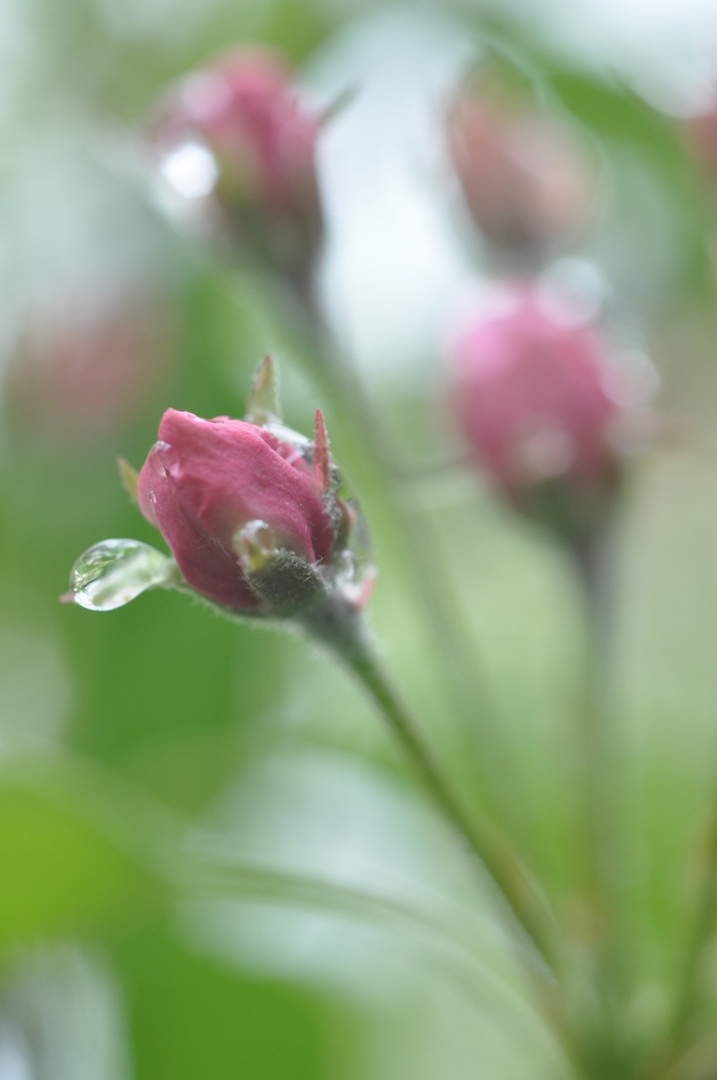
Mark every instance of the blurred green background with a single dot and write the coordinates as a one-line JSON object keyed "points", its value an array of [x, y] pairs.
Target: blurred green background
{"points": [[212, 860]]}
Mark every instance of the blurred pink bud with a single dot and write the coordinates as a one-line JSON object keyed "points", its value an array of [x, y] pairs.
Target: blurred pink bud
{"points": [[701, 136], [234, 138], [82, 370], [233, 500], [525, 179], [533, 397]]}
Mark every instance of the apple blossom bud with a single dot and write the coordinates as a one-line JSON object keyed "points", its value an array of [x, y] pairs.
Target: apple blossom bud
{"points": [[83, 365], [235, 144], [238, 507], [258, 519], [700, 136], [533, 395], [525, 179]]}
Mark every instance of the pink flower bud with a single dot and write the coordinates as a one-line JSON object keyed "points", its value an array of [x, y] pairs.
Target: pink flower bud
{"points": [[258, 172], [225, 491], [82, 367], [525, 179], [700, 133], [532, 397]]}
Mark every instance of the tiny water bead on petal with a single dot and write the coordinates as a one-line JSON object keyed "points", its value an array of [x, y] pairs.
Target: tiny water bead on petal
{"points": [[113, 572]]}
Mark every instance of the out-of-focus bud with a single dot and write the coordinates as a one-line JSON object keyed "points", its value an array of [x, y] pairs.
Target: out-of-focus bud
{"points": [[526, 178], [541, 407], [82, 368], [235, 145], [700, 133]]}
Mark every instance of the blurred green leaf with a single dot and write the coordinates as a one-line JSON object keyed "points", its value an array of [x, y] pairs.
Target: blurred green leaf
{"points": [[61, 873], [174, 693], [622, 121], [190, 1017]]}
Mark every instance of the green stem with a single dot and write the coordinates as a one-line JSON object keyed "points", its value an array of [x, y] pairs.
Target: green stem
{"points": [[339, 625], [593, 554], [590, 558], [688, 998], [451, 634]]}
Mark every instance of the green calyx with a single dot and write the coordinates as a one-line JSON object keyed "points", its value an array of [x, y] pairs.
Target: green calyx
{"points": [[285, 581]]}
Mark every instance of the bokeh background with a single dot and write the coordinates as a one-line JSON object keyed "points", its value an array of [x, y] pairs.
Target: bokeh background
{"points": [[213, 862]]}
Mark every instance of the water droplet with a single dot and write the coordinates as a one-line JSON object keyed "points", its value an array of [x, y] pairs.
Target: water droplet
{"points": [[113, 572], [191, 170], [346, 567]]}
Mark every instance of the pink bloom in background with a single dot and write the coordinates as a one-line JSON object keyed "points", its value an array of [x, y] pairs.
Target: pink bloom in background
{"points": [[82, 369], [700, 131], [532, 398], [258, 172], [524, 176], [205, 480]]}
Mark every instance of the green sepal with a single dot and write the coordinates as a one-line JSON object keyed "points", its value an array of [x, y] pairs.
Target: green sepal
{"points": [[263, 405]]}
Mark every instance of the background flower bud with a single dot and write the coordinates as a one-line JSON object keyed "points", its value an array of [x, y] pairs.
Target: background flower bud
{"points": [[525, 179], [234, 138], [205, 480], [700, 134], [533, 398], [83, 364]]}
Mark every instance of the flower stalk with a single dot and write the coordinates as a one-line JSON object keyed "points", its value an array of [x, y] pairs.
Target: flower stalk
{"points": [[341, 627]]}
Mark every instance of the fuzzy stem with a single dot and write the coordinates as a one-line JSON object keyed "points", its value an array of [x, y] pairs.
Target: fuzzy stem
{"points": [[460, 668], [339, 625], [593, 554]]}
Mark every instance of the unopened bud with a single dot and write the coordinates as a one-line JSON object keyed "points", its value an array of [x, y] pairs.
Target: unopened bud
{"points": [[258, 519], [83, 364], [234, 143], [525, 177], [534, 396]]}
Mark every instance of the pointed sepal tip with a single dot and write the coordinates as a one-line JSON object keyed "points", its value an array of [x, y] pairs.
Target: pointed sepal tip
{"points": [[263, 405], [129, 478], [322, 454]]}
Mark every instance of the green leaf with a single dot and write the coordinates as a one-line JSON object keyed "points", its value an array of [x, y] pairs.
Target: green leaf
{"points": [[193, 1017], [62, 872]]}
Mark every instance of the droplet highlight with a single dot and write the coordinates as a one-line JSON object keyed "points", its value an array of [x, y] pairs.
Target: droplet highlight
{"points": [[113, 572]]}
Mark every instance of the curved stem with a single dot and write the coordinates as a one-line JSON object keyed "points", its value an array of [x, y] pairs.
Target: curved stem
{"points": [[445, 617], [344, 635], [513, 883], [590, 558], [593, 554], [339, 625]]}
